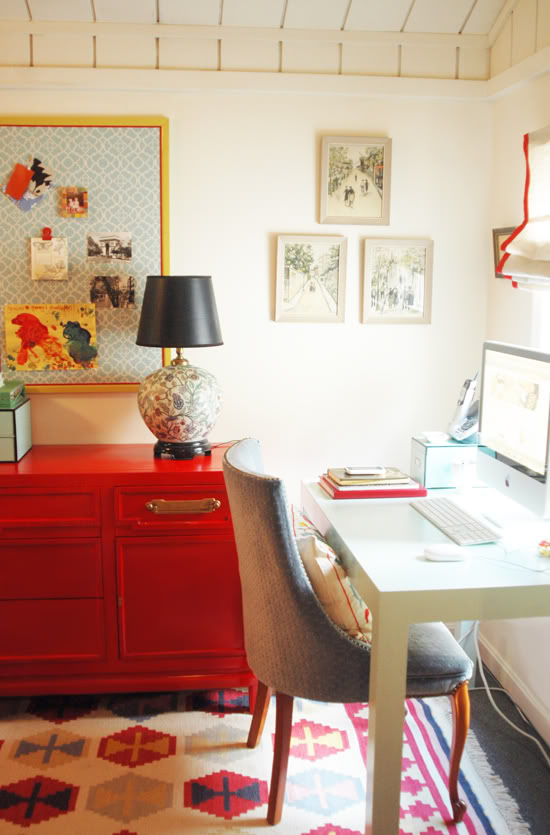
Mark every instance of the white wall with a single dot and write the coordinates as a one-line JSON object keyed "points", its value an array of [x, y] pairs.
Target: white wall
{"points": [[245, 168], [518, 652]]}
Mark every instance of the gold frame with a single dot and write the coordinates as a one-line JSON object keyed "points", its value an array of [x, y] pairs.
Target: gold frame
{"points": [[109, 121]]}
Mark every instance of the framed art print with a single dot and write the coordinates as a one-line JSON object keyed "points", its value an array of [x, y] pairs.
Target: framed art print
{"points": [[355, 180], [311, 278], [397, 281]]}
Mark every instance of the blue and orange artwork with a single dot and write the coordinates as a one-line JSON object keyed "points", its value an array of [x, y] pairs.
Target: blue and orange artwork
{"points": [[48, 337]]}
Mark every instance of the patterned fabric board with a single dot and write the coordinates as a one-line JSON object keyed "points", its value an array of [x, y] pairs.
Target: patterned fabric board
{"points": [[120, 167], [138, 764]]}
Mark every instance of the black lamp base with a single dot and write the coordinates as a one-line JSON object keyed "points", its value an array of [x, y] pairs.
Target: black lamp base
{"points": [[183, 450]]}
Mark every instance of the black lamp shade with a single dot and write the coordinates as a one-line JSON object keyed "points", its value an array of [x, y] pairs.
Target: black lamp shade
{"points": [[179, 311]]}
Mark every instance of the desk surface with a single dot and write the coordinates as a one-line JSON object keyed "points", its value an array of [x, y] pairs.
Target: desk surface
{"points": [[388, 537], [382, 543]]}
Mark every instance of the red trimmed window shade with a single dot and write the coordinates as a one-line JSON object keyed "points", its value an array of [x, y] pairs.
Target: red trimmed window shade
{"points": [[526, 259]]}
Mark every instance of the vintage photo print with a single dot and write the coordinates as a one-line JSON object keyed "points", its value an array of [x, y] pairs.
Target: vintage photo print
{"points": [[74, 201], [113, 291], [114, 247]]}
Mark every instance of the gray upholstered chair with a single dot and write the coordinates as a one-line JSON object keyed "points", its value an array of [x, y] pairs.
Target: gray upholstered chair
{"points": [[293, 647]]}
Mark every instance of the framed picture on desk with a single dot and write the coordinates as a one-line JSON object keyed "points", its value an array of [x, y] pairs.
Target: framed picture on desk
{"points": [[397, 287]]}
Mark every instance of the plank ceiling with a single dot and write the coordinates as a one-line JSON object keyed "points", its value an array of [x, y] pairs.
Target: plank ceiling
{"points": [[469, 17]]}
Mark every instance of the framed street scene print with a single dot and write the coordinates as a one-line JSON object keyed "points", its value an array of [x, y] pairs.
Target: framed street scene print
{"points": [[311, 278], [355, 180], [397, 285]]}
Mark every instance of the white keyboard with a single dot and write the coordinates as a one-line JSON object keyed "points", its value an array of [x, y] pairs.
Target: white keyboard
{"points": [[456, 523]]}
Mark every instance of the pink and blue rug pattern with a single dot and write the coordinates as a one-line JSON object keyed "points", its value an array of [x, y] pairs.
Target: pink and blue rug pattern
{"points": [[149, 764]]}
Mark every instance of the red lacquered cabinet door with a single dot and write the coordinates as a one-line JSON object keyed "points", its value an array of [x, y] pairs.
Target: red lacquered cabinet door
{"points": [[51, 630], [178, 596]]}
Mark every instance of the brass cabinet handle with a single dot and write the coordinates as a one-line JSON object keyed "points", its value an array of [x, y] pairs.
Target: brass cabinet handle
{"points": [[183, 506]]}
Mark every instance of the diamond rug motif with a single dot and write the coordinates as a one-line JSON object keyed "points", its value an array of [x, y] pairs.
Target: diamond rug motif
{"points": [[173, 763]]}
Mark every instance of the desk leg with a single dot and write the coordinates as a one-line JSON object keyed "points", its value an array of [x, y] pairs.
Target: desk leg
{"points": [[386, 717]]}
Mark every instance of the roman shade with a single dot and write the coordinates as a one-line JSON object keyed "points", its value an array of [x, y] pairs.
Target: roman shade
{"points": [[526, 258]]}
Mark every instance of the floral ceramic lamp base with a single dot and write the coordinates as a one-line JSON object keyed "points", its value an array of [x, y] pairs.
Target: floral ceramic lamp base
{"points": [[180, 405]]}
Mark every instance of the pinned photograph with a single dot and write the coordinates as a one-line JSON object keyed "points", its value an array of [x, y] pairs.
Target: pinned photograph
{"points": [[311, 278], [108, 291], [355, 180], [398, 281], [47, 337], [49, 260], [74, 201], [110, 247]]}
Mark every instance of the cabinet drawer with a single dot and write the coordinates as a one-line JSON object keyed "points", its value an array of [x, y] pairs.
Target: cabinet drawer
{"points": [[30, 511], [185, 509], [51, 630], [54, 568]]}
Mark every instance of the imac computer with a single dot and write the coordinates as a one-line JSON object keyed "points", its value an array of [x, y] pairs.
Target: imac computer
{"points": [[515, 424]]}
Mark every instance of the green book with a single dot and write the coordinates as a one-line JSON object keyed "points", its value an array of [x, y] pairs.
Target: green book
{"points": [[11, 393]]}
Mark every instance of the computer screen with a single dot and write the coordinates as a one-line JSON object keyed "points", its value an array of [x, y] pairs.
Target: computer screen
{"points": [[515, 424]]}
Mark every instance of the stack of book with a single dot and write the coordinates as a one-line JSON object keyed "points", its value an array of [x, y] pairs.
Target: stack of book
{"points": [[12, 394], [392, 483]]}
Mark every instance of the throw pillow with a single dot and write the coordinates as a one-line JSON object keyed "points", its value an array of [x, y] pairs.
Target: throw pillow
{"points": [[336, 592]]}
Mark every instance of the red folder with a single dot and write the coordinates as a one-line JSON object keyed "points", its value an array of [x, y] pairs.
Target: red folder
{"points": [[401, 491]]}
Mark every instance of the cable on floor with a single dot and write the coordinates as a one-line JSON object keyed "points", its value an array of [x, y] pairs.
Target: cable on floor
{"points": [[487, 688]]}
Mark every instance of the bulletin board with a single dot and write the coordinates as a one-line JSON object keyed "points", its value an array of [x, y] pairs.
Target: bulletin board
{"points": [[115, 238]]}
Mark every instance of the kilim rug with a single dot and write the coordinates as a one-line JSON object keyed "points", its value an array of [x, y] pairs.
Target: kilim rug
{"points": [[138, 764]]}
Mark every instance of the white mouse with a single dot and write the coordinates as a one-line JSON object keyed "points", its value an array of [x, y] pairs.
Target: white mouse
{"points": [[444, 552]]}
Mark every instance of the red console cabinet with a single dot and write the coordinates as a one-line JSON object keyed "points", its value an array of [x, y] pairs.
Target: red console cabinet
{"points": [[119, 573]]}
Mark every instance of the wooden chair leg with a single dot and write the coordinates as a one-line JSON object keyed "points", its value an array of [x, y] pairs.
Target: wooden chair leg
{"points": [[283, 727], [252, 693], [460, 701], [261, 707]]}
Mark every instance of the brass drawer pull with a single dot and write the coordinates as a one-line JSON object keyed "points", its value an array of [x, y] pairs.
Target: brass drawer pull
{"points": [[183, 506]]}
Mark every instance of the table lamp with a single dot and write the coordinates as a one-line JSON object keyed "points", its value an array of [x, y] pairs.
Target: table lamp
{"points": [[179, 403]]}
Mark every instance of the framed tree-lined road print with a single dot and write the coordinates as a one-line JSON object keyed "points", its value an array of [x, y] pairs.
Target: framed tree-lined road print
{"points": [[355, 180], [397, 286], [311, 278]]}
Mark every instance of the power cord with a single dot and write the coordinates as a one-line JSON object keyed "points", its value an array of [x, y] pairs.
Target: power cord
{"points": [[543, 568], [487, 688]]}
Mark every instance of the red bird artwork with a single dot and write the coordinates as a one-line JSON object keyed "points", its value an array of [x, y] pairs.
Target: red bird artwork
{"points": [[35, 335]]}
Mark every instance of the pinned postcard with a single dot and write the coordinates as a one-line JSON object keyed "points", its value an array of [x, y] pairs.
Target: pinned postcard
{"points": [[49, 259], [37, 186], [74, 201], [18, 182], [107, 291], [115, 247], [47, 337]]}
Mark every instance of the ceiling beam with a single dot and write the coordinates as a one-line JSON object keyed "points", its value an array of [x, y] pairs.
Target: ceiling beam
{"points": [[240, 33]]}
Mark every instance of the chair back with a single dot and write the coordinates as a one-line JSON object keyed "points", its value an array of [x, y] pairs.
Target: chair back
{"points": [[291, 644]]}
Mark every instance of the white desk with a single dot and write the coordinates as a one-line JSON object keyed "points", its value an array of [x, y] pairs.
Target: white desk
{"points": [[382, 542]]}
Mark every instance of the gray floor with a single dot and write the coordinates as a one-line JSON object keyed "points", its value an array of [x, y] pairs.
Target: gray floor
{"points": [[516, 759]]}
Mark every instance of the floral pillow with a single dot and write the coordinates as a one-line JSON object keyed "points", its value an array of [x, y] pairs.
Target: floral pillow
{"points": [[334, 589], [301, 525]]}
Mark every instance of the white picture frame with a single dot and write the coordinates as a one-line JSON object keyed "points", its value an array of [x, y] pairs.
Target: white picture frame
{"points": [[311, 278], [355, 180], [397, 285]]}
